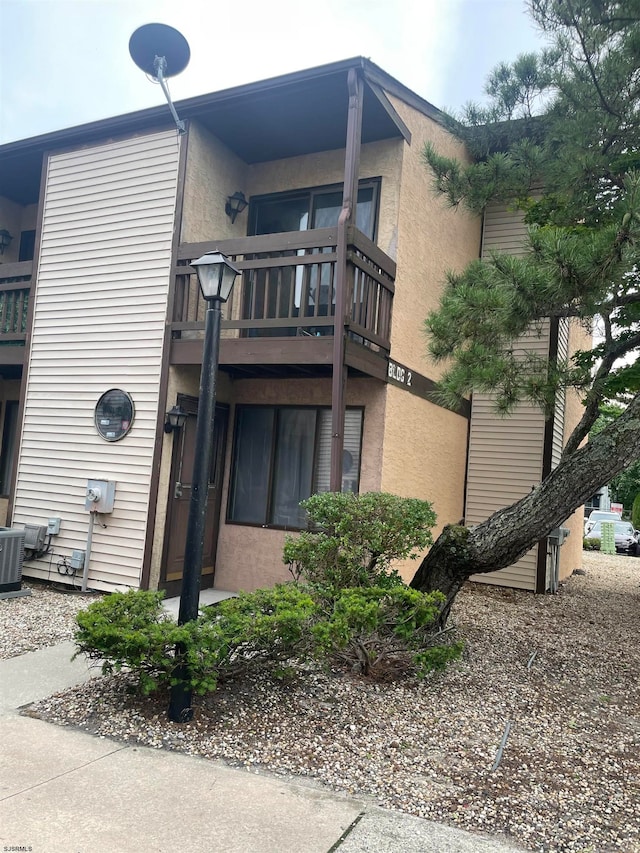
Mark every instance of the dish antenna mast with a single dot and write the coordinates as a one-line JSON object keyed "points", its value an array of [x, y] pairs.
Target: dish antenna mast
{"points": [[161, 52]]}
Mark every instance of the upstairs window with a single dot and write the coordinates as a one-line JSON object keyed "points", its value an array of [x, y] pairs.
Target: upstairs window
{"points": [[281, 456], [314, 208], [27, 245]]}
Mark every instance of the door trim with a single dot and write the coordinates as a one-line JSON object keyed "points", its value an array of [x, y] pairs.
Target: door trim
{"points": [[190, 405]]}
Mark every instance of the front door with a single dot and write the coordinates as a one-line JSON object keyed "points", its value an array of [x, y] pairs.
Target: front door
{"points": [[180, 495]]}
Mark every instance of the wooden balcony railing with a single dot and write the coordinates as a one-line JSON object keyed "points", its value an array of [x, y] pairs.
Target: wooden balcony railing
{"points": [[288, 288], [15, 288]]}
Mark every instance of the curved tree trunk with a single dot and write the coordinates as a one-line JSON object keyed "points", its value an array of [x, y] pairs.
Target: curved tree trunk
{"points": [[509, 533]]}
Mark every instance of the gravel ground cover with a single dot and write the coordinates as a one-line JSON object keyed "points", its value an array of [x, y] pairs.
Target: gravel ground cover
{"points": [[44, 618], [557, 674]]}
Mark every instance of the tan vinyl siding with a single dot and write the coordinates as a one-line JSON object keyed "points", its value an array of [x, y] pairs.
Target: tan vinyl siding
{"points": [[99, 316], [503, 230], [505, 454]]}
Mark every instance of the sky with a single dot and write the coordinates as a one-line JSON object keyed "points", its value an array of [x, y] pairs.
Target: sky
{"points": [[66, 62]]}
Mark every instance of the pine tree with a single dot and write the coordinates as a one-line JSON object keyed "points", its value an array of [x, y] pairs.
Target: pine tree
{"points": [[560, 140]]}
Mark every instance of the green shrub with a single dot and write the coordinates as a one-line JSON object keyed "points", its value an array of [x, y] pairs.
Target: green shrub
{"points": [[590, 544], [381, 632], [355, 538], [635, 512], [262, 629], [385, 632], [131, 631], [255, 630]]}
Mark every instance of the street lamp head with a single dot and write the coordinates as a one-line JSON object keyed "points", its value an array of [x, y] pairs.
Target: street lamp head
{"points": [[216, 276]]}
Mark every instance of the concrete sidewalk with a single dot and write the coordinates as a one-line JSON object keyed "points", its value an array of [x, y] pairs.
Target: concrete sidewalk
{"points": [[64, 791]]}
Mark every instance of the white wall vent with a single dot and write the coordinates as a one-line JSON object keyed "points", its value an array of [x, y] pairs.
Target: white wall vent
{"points": [[11, 557]]}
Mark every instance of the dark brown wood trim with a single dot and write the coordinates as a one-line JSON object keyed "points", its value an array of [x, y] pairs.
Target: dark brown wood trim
{"points": [[282, 242], [27, 344], [190, 405], [466, 467], [365, 360], [349, 201], [13, 355], [387, 106], [368, 335], [258, 351], [15, 270], [547, 457], [414, 382], [372, 251], [268, 323], [164, 370], [375, 74], [368, 268]]}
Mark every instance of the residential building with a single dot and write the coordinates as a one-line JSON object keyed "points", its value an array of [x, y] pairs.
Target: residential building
{"points": [[324, 381]]}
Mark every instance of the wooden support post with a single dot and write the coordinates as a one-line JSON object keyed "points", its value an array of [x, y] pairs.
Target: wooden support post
{"points": [[347, 216]]}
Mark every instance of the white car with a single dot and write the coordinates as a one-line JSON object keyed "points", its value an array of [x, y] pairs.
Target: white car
{"points": [[599, 515], [626, 538]]}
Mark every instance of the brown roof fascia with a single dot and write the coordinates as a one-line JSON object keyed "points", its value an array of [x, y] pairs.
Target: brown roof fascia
{"points": [[131, 122], [374, 74], [388, 107]]}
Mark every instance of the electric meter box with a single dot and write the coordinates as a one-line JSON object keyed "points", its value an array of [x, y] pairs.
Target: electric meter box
{"points": [[100, 495]]}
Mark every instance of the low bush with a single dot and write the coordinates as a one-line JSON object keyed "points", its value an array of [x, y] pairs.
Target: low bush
{"points": [[255, 630], [590, 544], [131, 631], [354, 538], [261, 630], [380, 632], [385, 632]]}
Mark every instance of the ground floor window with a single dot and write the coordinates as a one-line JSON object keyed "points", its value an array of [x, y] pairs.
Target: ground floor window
{"points": [[282, 455]]}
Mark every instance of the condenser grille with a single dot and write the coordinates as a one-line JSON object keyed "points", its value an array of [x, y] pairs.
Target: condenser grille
{"points": [[11, 556]]}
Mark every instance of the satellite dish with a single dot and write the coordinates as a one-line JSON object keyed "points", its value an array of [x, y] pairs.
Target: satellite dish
{"points": [[158, 41], [161, 52]]}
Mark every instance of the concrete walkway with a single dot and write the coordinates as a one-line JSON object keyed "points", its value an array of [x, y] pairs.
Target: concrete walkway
{"points": [[64, 791]]}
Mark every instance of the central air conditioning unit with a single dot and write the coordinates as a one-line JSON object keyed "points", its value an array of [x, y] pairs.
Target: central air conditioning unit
{"points": [[11, 557]]}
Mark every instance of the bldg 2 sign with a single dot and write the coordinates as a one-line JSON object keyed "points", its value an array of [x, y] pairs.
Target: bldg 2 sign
{"points": [[399, 374]]}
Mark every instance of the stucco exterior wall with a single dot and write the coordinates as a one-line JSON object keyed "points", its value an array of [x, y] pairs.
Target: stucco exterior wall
{"points": [[213, 173], [251, 557], [432, 240], [424, 456]]}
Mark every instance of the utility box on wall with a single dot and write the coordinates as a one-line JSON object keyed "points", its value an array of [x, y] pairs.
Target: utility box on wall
{"points": [[100, 495]]}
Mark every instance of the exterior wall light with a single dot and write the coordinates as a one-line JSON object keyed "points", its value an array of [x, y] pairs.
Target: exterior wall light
{"points": [[175, 419], [6, 238], [236, 203]]}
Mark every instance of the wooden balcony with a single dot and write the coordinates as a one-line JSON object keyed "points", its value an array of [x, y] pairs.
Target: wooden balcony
{"points": [[283, 311], [15, 290]]}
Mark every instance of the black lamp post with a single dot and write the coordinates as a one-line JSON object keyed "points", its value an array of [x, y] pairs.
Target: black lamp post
{"points": [[216, 276]]}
